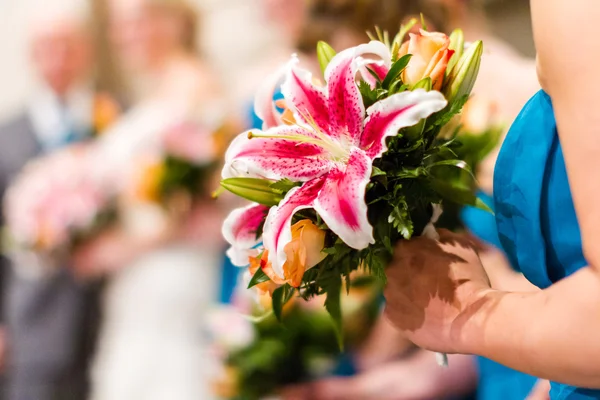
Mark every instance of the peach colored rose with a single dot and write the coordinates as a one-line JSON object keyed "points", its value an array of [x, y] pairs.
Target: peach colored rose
{"points": [[304, 251], [430, 57]]}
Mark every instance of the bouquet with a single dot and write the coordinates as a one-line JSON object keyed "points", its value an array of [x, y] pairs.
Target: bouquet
{"points": [[55, 203], [179, 166], [261, 356], [350, 166], [475, 134]]}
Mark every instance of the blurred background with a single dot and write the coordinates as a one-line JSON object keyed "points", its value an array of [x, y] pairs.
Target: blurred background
{"points": [[232, 33], [115, 263]]}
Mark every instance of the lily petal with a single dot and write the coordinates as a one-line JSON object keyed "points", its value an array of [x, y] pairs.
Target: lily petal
{"points": [[278, 226], [345, 103], [341, 202], [239, 230], [264, 106], [275, 158], [379, 67], [308, 101], [401, 110]]}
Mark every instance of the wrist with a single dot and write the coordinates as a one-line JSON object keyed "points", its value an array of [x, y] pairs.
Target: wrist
{"points": [[468, 329]]}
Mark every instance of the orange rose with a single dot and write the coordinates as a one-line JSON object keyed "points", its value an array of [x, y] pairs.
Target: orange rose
{"points": [[262, 262], [430, 57], [304, 251]]}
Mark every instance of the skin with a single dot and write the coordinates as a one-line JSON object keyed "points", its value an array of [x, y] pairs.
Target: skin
{"points": [[61, 53], [438, 292]]}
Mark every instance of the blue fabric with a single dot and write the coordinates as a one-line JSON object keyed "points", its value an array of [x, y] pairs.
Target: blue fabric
{"points": [[496, 382], [482, 223], [536, 219], [229, 279]]}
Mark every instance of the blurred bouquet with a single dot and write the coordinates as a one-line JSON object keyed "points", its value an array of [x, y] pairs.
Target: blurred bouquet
{"points": [[350, 167], [262, 356], [180, 165], [55, 203]]}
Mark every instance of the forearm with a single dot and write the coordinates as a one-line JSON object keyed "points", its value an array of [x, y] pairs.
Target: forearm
{"points": [[552, 333]]}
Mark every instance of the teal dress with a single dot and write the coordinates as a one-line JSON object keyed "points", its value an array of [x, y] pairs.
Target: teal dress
{"points": [[536, 219]]}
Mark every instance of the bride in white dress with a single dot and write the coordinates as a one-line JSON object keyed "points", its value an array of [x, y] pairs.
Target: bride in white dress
{"points": [[161, 284]]}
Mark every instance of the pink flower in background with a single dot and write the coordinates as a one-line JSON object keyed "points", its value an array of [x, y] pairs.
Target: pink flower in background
{"points": [[54, 197], [331, 148], [189, 141]]}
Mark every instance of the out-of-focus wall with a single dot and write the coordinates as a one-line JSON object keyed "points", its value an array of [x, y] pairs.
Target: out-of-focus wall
{"points": [[15, 75], [510, 20]]}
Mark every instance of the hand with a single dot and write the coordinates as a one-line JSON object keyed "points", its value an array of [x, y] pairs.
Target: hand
{"points": [[101, 255], [432, 288]]}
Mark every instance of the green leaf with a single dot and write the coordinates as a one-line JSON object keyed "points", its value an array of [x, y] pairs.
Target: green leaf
{"points": [[368, 94], [374, 74], [424, 83], [404, 29], [423, 23], [377, 172], [281, 296], [333, 288], [458, 194], [396, 70], [258, 278], [401, 221], [453, 163], [255, 190], [325, 54], [284, 185]]}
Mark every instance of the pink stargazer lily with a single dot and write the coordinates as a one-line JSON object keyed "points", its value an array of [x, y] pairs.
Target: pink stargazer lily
{"points": [[330, 148], [240, 230]]}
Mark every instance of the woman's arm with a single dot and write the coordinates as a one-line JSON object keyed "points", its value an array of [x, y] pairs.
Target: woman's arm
{"points": [[441, 300], [440, 296], [566, 35]]}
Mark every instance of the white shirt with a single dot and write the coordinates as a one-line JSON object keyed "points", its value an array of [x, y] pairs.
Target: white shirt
{"points": [[54, 119]]}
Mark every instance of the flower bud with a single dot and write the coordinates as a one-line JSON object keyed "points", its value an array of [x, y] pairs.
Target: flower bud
{"points": [[457, 43], [256, 190], [325, 54], [462, 79]]}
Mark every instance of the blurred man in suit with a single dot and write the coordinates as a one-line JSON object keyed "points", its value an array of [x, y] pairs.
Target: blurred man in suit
{"points": [[47, 319]]}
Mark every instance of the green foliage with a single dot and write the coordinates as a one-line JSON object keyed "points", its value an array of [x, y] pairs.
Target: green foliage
{"points": [[395, 71], [333, 288], [258, 278], [281, 296], [303, 346], [182, 175]]}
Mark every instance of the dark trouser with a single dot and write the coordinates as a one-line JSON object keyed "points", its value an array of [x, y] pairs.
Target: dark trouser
{"points": [[51, 326]]}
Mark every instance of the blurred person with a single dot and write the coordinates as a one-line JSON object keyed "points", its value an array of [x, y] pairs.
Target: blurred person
{"points": [[162, 266], [51, 319]]}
